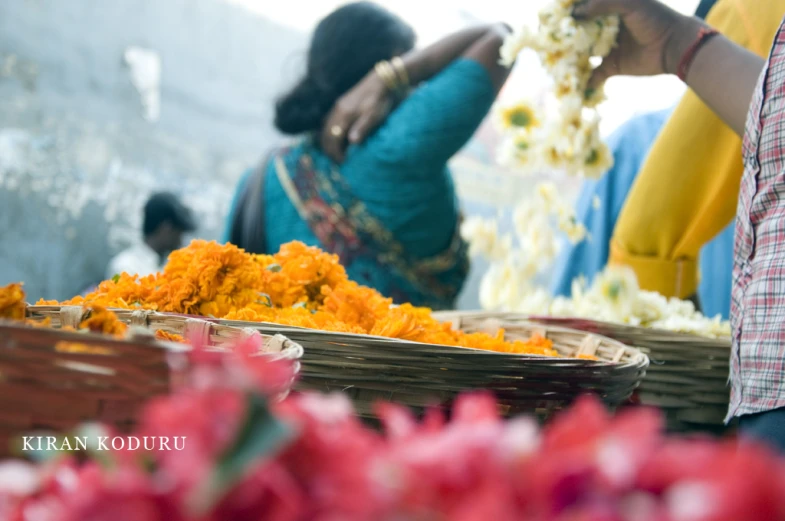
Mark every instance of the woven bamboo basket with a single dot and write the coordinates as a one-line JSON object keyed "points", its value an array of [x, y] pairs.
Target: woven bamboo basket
{"points": [[45, 389], [687, 378], [371, 369], [207, 332]]}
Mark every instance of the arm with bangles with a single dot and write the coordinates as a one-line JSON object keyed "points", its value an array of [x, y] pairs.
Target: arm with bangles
{"points": [[655, 39], [360, 111]]}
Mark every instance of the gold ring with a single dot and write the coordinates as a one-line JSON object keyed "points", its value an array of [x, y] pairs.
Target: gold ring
{"points": [[336, 131]]}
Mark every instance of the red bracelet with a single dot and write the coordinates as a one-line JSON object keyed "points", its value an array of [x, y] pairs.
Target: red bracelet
{"points": [[704, 35]]}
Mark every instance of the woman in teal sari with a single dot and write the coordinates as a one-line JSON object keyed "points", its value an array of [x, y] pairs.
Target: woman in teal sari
{"points": [[367, 176]]}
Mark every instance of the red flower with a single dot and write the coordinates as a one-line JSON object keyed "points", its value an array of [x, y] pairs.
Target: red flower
{"points": [[333, 458], [92, 494], [245, 367], [208, 420], [270, 493], [710, 481]]}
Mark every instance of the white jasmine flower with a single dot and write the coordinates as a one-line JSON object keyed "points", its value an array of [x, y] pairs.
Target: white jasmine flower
{"points": [[513, 45], [607, 39], [483, 238], [598, 160]]}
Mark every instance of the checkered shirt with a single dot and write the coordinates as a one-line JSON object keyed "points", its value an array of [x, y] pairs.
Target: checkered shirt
{"points": [[757, 372]]}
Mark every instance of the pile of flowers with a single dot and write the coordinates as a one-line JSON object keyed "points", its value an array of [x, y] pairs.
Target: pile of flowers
{"points": [[614, 296], [298, 286], [569, 138], [97, 319], [234, 456]]}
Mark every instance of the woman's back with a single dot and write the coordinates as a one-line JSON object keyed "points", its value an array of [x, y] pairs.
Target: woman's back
{"points": [[389, 209], [400, 177]]}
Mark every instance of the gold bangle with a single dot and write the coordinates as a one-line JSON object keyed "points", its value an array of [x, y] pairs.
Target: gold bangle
{"points": [[387, 75], [400, 72]]}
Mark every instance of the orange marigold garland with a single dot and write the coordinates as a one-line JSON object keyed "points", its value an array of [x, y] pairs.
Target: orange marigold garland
{"points": [[299, 286]]}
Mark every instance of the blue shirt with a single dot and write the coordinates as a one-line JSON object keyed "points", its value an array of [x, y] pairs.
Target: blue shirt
{"points": [[399, 173], [630, 144]]}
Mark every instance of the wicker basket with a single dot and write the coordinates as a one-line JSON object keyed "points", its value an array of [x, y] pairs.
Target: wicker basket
{"points": [[372, 369], [45, 389], [206, 331], [687, 378]]}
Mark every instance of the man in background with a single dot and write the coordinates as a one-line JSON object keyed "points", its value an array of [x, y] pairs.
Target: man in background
{"points": [[166, 219]]}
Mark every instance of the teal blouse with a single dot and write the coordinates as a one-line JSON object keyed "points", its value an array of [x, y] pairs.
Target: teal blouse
{"points": [[400, 176]]}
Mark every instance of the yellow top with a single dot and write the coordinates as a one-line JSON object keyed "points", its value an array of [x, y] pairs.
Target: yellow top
{"points": [[688, 187]]}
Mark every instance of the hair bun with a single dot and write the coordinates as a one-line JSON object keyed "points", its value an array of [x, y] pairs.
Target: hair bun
{"points": [[301, 110]]}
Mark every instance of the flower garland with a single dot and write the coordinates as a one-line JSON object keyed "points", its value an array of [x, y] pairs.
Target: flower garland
{"points": [[298, 286], [569, 139], [309, 457], [537, 221]]}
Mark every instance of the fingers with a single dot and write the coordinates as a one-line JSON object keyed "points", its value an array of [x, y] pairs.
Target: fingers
{"points": [[608, 68], [595, 8], [367, 123], [333, 138]]}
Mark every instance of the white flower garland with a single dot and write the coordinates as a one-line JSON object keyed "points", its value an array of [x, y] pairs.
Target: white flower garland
{"points": [[569, 139]]}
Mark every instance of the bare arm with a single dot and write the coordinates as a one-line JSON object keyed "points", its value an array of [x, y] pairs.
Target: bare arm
{"points": [[365, 107], [654, 39], [722, 74], [479, 43]]}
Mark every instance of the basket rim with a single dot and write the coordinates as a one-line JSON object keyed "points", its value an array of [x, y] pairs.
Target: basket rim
{"points": [[90, 338], [290, 349], [566, 321], [637, 357]]}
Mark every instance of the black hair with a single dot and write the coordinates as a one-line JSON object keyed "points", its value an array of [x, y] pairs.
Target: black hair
{"points": [[704, 7], [344, 47], [165, 207]]}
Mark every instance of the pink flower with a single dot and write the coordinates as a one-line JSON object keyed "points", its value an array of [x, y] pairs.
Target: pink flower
{"points": [[333, 457], [270, 493], [713, 481], [208, 421], [92, 494]]}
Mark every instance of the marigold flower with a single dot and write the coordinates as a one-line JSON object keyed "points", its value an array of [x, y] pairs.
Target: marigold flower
{"points": [[12, 302], [299, 286], [160, 334]]}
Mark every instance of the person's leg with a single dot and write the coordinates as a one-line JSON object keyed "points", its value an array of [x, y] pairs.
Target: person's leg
{"points": [[767, 427]]}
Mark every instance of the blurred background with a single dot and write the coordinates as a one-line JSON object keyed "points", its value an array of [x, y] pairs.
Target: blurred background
{"points": [[103, 103]]}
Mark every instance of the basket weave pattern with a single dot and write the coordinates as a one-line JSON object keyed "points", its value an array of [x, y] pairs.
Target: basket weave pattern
{"points": [[372, 369], [688, 375], [43, 389]]}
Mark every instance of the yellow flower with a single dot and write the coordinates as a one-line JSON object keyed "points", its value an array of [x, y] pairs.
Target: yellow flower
{"points": [[522, 115]]}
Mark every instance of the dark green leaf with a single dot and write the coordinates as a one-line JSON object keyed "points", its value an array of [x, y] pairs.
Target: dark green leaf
{"points": [[261, 435], [275, 268], [116, 278]]}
